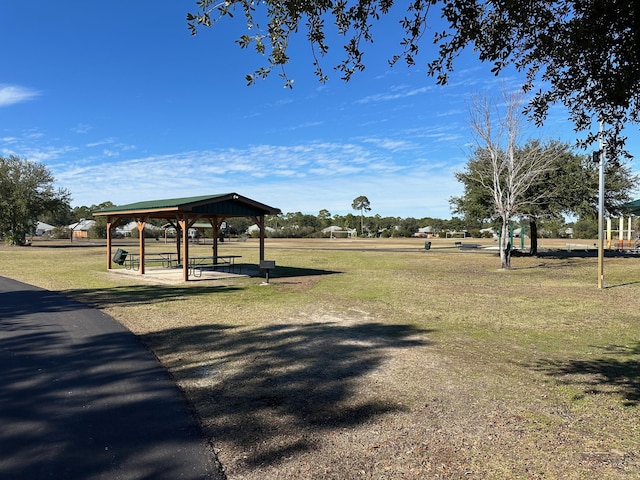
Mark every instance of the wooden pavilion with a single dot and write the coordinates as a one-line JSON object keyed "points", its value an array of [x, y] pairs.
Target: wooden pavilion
{"points": [[182, 214]]}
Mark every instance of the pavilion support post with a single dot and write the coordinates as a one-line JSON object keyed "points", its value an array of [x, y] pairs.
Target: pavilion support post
{"points": [[215, 225], [262, 234], [109, 226], [184, 226], [141, 224], [178, 241], [112, 222]]}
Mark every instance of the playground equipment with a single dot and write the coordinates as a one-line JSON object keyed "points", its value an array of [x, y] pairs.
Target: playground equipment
{"points": [[512, 234], [621, 233]]}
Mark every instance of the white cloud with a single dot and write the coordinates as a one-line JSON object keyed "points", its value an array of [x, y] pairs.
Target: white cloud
{"points": [[304, 177], [397, 93], [38, 155], [13, 94], [81, 128], [99, 143], [390, 144]]}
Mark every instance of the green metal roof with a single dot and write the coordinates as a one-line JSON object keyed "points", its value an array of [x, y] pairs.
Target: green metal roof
{"points": [[168, 203], [632, 207], [225, 204]]}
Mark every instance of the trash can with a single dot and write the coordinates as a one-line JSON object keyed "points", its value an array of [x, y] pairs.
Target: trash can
{"points": [[120, 256], [427, 245]]}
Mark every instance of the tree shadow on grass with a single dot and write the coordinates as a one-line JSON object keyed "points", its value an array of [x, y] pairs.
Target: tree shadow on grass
{"points": [[281, 271], [616, 373], [591, 253], [144, 294], [568, 263], [31, 301], [270, 390], [626, 284], [65, 244]]}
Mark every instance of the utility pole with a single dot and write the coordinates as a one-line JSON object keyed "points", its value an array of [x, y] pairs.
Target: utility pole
{"points": [[602, 158]]}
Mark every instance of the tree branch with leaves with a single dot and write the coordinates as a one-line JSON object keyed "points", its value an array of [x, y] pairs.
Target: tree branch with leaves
{"points": [[584, 54]]}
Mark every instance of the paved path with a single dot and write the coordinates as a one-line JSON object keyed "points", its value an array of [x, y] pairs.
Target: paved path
{"points": [[81, 398]]}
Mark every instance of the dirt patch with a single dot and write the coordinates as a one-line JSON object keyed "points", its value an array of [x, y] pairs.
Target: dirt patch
{"points": [[341, 395]]}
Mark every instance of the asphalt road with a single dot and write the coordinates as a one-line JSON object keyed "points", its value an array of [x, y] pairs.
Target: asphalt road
{"points": [[81, 398]]}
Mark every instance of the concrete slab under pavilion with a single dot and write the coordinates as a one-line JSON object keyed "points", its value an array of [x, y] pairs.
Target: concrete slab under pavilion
{"points": [[174, 276]]}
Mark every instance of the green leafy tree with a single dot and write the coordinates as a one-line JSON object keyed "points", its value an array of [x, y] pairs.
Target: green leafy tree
{"points": [[349, 221], [553, 193], [438, 225], [586, 227], [60, 217], [99, 229], [26, 193], [239, 225], [362, 204], [82, 211], [568, 187], [583, 54], [409, 226], [324, 218], [298, 225], [551, 227]]}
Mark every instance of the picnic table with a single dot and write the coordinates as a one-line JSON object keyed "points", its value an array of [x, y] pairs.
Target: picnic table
{"points": [[197, 264], [166, 259]]}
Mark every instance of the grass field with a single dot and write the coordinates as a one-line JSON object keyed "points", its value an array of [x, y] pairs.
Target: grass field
{"points": [[377, 359]]}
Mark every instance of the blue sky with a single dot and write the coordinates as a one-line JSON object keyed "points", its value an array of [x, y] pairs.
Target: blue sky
{"points": [[122, 104]]}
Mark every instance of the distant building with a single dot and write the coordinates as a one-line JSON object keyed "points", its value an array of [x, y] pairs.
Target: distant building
{"points": [[43, 229], [425, 232], [125, 230], [335, 231], [489, 231], [81, 228], [255, 228]]}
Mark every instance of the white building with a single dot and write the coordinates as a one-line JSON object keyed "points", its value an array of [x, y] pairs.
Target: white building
{"points": [[43, 229], [81, 228], [255, 228]]}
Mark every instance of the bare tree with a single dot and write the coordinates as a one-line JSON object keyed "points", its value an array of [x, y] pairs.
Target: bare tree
{"points": [[512, 168]]}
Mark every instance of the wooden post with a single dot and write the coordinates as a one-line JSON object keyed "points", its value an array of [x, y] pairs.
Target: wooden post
{"points": [[112, 222], [184, 226], [108, 243], [262, 234], [216, 228], [178, 241], [141, 224]]}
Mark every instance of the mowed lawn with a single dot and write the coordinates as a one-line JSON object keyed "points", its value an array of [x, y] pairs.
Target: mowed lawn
{"points": [[377, 359]]}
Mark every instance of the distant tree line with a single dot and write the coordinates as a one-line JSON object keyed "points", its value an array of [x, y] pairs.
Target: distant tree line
{"points": [[27, 195], [302, 225]]}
